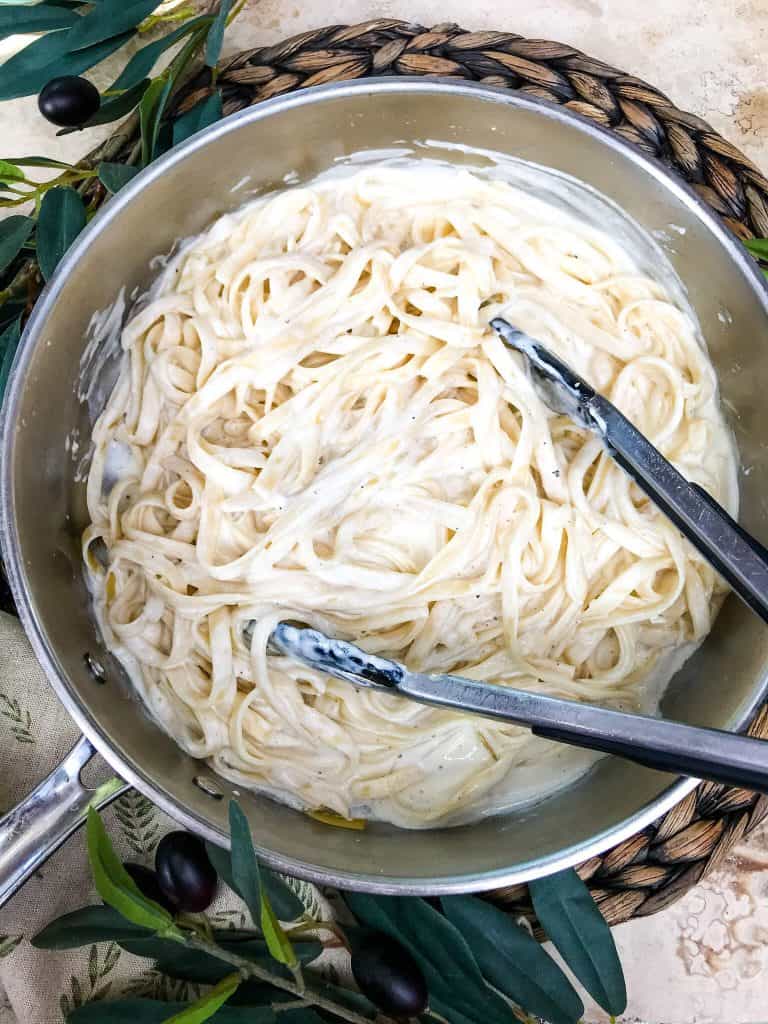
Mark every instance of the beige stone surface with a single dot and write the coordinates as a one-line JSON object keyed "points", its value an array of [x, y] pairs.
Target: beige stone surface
{"points": [[705, 959], [709, 56]]}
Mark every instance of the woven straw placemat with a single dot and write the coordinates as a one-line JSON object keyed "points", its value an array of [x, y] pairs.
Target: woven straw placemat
{"points": [[655, 867]]}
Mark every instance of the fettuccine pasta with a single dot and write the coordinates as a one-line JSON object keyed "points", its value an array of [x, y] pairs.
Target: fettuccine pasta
{"points": [[314, 422]]}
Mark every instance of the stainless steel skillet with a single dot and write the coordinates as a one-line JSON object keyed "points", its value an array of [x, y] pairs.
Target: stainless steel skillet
{"points": [[42, 499]]}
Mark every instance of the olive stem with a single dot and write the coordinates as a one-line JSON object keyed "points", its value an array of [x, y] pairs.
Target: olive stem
{"points": [[161, 19], [308, 925], [200, 927], [251, 970], [298, 977]]}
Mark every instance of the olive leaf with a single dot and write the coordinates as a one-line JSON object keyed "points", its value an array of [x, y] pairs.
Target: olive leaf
{"points": [[156, 150], [61, 3], [152, 1011], [513, 961], [204, 113], [285, 903], [456, 986], [88, 925], [149, 118], [107, 19], [300, 1015], [176, 961], [260, 993], [14, 232], [221, 860], [156, 136], [278, 943], [10, 171], [10, 311], [355, 1001], [758, 247], [187, 967], [17, 18], [216, 34], [113, 109], [119, 106], [245, 873], [114, 176], [207, 1005], [578, 931], [117, 888], [60, 221], [247, 878], [142, 62], [40, 161], [9, 341], [27, 71]]}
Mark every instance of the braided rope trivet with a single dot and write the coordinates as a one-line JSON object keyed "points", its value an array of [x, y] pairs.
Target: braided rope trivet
{"points": [[655, 867], [729, 182]]}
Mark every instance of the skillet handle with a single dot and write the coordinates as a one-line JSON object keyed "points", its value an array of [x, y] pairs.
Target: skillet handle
{"points": [[36, 828]]}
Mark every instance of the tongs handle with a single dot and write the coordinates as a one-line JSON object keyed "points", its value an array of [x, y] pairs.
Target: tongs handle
{"points": [[740, 559], [655, 742]]}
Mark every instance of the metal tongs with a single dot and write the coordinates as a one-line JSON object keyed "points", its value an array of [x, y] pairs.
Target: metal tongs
{"points": [[738, 557], [655, 742]]}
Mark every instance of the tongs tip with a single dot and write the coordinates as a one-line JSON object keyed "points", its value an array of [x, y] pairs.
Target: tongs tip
{"points": [[559, 387]]}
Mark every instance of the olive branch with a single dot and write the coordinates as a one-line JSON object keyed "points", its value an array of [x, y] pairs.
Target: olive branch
{"points": [[458, 960], [759, 249], [58, 205]]}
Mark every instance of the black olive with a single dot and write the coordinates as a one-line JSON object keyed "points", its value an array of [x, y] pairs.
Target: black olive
{"points": [[68, 101], [388, 975], [184, 871], [147, 882]]}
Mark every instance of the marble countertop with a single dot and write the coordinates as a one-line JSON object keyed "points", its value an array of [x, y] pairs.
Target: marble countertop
{"points": [[705, 959]]}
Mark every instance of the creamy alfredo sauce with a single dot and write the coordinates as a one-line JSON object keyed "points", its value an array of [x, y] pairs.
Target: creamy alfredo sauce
{"points": [[314, 421]]}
